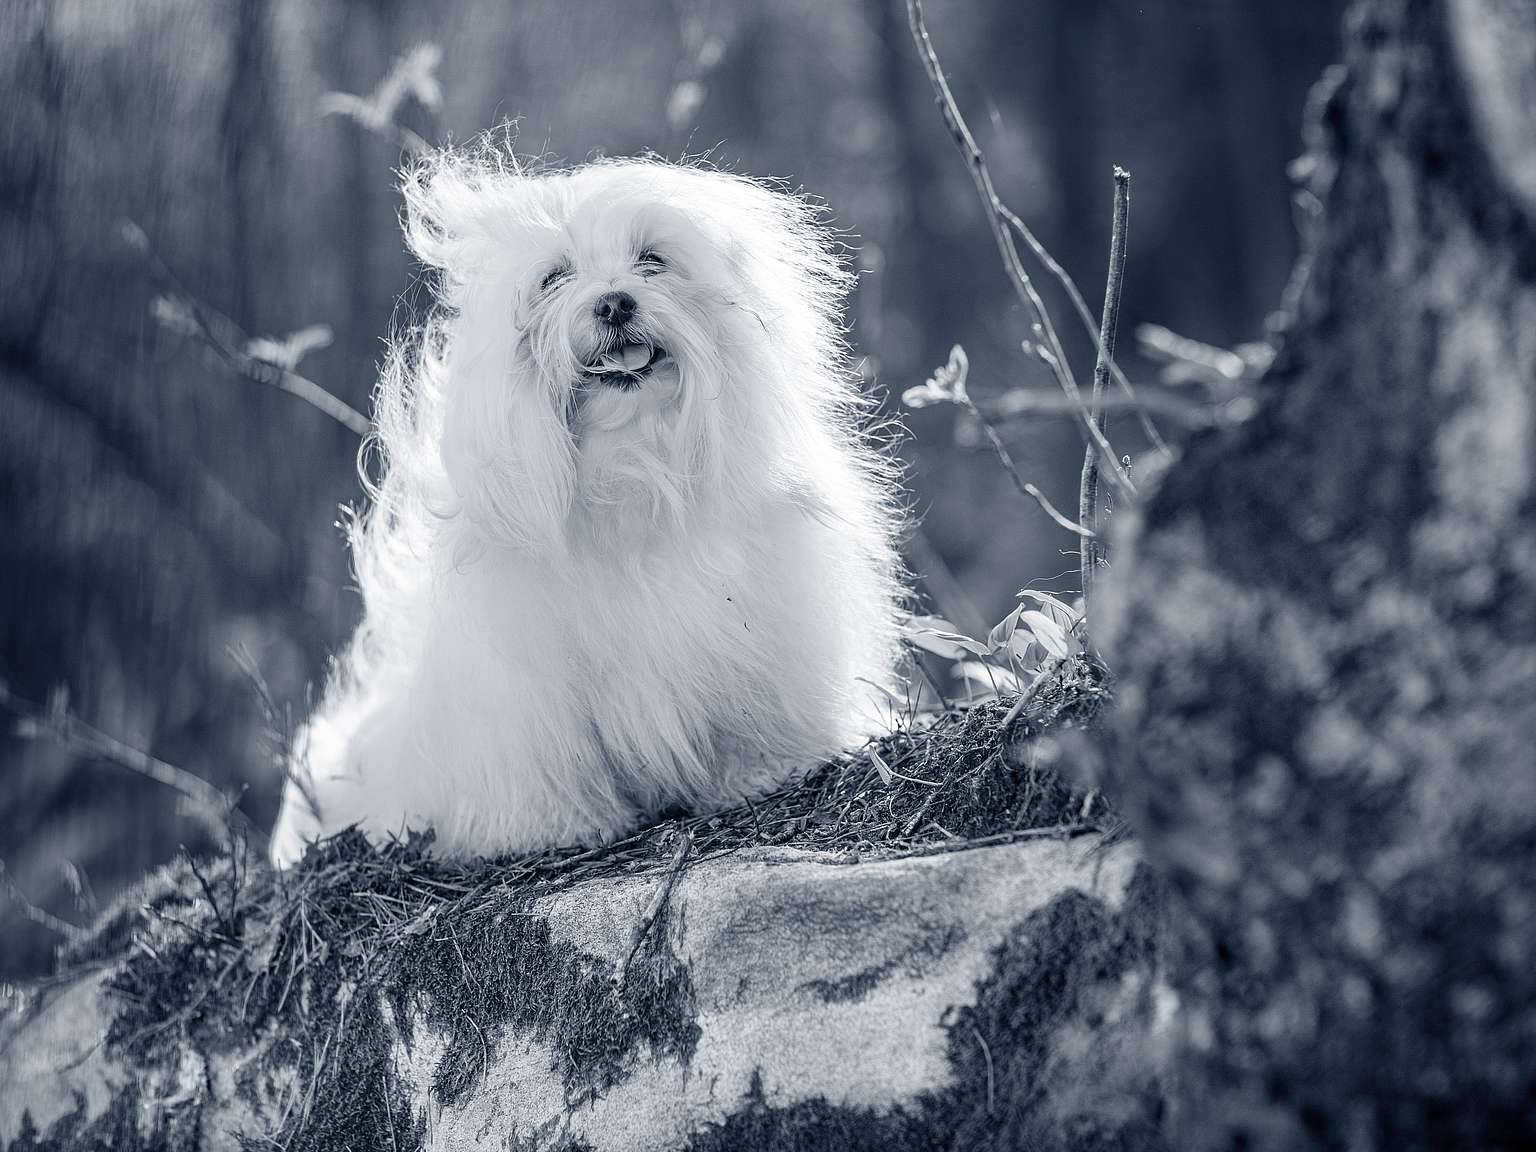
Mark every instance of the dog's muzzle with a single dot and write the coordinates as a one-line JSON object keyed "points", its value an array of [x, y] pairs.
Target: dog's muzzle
{"points": [[626, 365]]}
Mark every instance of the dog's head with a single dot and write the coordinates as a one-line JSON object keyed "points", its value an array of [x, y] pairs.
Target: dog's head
{"points": [[625, 340]]}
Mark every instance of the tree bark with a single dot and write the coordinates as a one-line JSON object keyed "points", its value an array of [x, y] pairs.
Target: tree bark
{"points": [[1325, 624]]}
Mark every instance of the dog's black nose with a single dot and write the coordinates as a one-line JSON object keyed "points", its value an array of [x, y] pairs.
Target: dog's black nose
{"points": [[614, 308]]}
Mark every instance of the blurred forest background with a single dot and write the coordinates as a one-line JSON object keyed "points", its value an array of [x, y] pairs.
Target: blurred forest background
{"points": [[161, 514]]}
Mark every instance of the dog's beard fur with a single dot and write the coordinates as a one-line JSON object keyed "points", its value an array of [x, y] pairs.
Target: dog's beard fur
{"points": [[589, 595]]}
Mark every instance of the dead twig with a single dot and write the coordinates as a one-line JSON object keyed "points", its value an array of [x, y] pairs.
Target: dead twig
{"points": [[948, 385], [653, 909], [182, 312], [1133, 396], [1093, 551], [1019, 482], [976, 163], [1048, 668], [39, 916], [55, 721]]}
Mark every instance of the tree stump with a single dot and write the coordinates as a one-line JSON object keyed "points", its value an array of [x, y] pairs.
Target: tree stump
{"points": [[770, 999]]}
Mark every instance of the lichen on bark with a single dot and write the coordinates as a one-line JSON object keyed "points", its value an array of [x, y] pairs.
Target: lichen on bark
{"points": [[1325, 626]]}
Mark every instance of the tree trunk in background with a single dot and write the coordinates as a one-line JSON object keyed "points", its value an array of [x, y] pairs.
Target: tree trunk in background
{"points": [[1326, 628]]}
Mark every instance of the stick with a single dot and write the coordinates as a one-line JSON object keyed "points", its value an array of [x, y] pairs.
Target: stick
{"points": [[1048, 669], [35, 721], [1093, 551], [1133, 398], [1028, 402], [1019, 482], [39, 916], [981, 176], [653, 909], [206, 323]]}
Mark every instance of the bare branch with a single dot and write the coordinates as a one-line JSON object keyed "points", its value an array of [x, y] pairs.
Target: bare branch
{"points": [[214, 809], [183, 313], [1019, 482], [1048, 668], [1080, 306], [1176, 406], [948, 385], [1220, 370], [981, 176], [1093, 551], [39, 916]]}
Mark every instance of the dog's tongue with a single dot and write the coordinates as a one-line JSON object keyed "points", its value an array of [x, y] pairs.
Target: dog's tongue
{"points": [[631, 358]]}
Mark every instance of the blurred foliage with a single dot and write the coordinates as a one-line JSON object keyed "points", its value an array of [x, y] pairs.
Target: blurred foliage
{"points": [[161, 512]]}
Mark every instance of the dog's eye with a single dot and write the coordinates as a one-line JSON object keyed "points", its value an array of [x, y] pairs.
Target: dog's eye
{"points": [[650, 262], [556, 274]]}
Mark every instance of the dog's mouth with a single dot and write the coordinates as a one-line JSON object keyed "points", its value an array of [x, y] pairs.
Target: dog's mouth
{"points": [[626, 365]]}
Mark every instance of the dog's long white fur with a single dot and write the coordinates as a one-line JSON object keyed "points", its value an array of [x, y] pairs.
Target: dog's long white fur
{"points": [[584, 604]]}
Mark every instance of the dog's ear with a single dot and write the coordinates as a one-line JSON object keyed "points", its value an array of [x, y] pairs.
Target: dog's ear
{"points": [[506, 446], [456, 204]]}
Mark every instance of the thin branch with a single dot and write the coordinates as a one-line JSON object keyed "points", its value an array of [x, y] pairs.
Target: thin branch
{"points": [[1047, 669], [1187, 411], [1080, 306], [289, 381], [1028, 489], [1093, 551], [653, 909], [39, 916], [34, 721], [228, 341], [981, 176]]}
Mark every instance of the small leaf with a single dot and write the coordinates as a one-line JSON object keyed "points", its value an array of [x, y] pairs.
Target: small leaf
{"points": [[886, 776], [1001, 633], [1050, 634], [917, 620], [937, 635], [988, 677], [945, 386], [1064, 613], [950, 645], [1020, 643]]}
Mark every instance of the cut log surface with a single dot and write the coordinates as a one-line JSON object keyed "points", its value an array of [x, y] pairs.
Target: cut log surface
{"points": [[772, 999]]}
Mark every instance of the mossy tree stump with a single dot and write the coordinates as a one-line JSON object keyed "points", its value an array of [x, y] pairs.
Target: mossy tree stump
{"points": [[775, 999]]}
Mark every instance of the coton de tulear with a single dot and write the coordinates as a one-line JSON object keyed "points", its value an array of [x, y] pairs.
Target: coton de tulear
{"points": [[631, 549]]}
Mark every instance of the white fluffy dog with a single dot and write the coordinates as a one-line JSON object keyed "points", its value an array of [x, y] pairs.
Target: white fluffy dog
{"points": [[631, 550]]}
